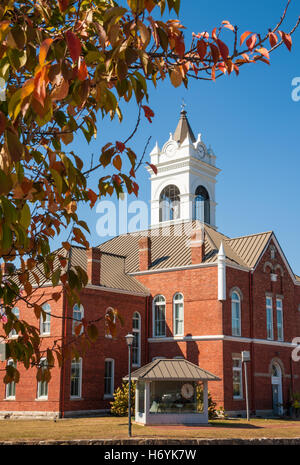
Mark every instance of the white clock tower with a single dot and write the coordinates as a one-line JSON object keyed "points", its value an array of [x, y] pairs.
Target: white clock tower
{"points": [[184, 187]]}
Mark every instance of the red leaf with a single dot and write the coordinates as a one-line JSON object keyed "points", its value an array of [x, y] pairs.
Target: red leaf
{"points": [[201, 48], [63, 5], [153, 167], [92, 197], [74, 45], [286, 39], [214, 53], [120, 146], [244, 35], [117, 162], [223, 49], [148, 113], [251, 42], [273, 39]]}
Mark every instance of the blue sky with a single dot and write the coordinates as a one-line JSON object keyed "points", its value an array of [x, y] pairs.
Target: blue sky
{"points": [[250, 121]]}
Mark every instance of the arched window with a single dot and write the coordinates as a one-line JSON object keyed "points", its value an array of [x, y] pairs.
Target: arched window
{"points": [[136, 345], [78, 314], [45, 320], [169, 203], [202, 205], [236, 314], [178, 314], [159, 316]]}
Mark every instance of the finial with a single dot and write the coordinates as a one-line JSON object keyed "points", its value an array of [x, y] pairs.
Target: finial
{"points": [[183, 105]]}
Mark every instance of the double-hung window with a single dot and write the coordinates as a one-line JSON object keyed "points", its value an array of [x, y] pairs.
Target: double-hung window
{"points": [[237, 378], [279, 315], [109, 377], [269, 314], [76, 378]]}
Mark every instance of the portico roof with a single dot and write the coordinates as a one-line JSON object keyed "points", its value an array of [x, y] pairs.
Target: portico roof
{"points": [[171, 370]]}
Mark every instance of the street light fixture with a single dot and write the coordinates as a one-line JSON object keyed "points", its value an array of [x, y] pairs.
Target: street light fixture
{"points": [[129, 339]]}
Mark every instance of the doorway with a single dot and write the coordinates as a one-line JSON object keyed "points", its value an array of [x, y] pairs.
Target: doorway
{"points": [[277, 389]]}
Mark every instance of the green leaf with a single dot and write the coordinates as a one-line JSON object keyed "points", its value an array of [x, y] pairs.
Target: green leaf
{"points": [[25, 216]]}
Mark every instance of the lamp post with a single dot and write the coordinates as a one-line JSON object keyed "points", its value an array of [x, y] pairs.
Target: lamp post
{"points": [[245, 359], [129, 339]]}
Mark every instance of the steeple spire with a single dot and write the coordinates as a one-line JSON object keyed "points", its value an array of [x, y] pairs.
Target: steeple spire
{"points": [[183, 127]]}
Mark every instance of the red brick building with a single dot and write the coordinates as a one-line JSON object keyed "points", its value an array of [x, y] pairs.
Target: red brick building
{"points": [[184, 290]]}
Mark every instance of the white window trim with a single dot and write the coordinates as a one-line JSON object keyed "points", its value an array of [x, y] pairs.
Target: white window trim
{"points": [[48, 311], [39, 382], [281, 311], [110, 396], [134, 330], [80, 378], [74, 322], [239, 301], [7, 397], [14, 336], [176, 300], [270, 307], [240, 397], [153, 316]]}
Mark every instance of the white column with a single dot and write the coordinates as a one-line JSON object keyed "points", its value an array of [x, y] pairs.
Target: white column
{"points": [[221, 273]]}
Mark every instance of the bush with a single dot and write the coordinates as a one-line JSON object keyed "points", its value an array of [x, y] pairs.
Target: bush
{"points": [[212, 412], [119, 406]]}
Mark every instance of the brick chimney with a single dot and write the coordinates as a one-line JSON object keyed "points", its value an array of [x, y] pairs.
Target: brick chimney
{"points": [[144, 253], [197, 245], [94, 265]]}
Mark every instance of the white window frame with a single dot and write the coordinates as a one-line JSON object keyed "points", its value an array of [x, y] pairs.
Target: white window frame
{"points": [[157, 304], [78, 310], [240, 370], [137, 332], [177, 300], [8, 386], [79, 362], [269, 318], [279, 309], [13, 333], [44, 325], [112, 383], [40, 383], [239, 319]]}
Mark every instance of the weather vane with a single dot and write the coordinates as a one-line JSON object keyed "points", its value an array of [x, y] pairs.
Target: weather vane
{"points": [[183, 105]]}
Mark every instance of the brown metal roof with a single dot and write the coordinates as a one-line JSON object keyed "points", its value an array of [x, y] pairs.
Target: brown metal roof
{"points": [[183, 129], [171, 370], [250, 248]]}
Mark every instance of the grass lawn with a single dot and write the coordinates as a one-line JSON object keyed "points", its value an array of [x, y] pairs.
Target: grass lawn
{"points": [[117, 428]]}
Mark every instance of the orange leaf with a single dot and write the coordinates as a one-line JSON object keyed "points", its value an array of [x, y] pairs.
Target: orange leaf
{"points": [[44, 50], [153, 167], [263, 51], [117, 162], [286, 39], [82, 72], [92, 197], [74, 45], [228, 25], [244, 35]]}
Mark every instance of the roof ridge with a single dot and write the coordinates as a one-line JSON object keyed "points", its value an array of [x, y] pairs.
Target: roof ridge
{"points": [[251, 235]]}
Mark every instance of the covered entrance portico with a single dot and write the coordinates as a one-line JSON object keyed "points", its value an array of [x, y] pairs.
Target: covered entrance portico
{"points": [[171, 391]]}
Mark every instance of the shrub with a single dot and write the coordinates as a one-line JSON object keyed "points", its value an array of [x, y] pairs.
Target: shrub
{"points": [[119, 406], [212, 412]]}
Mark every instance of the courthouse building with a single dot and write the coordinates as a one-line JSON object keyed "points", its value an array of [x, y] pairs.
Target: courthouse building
{"points": [[185, 290]]}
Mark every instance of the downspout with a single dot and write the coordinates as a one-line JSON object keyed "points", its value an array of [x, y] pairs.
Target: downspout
{"points": [[147, 328], [251, 337]]}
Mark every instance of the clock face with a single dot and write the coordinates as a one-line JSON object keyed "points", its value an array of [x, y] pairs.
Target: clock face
{"points": [[170, 148], [187, 391], [201, 151]]}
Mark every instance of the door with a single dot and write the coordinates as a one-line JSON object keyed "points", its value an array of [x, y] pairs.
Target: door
{"points": [[275, 397]]}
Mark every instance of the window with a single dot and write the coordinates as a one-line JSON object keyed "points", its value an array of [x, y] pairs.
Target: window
{"points": [[202, 205], [136, 345], [42, 390], [237, 378], [178, 313], [45, 324], [11, 387], [16, 313], [78, 313], [279, 314], [169, 203], [236, 314], [269, 311], [159, 316], [109, 378], [76, 378]]}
